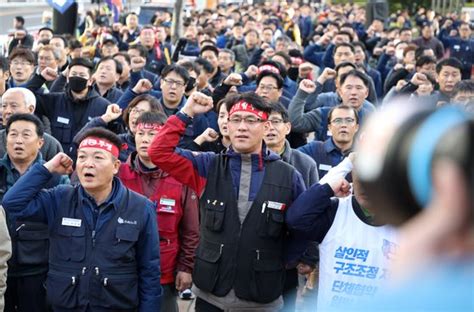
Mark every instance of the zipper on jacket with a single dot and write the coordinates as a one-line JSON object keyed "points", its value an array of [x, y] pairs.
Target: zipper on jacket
{"points": [[93, 238]]}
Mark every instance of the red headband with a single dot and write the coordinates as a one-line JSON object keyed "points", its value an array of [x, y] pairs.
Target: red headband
{"points": [[243, 106], [149, 126], [297, 61], [102, 144], [269, 68]]}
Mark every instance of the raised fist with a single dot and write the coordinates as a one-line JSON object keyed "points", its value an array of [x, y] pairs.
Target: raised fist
{"points": [[143, 85], [307, 86], [198, 103], [49, 74], [113, 112], [233, 80], [327, 74], [137, 63]]}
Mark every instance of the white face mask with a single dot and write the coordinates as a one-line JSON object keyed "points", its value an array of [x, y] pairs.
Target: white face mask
{"points": [[399, 54]]}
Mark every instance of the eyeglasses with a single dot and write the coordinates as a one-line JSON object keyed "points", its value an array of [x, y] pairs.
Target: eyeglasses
{"points": [[276, 122], [20, 63], [137, 111], [266, 87], [340, 121], [251, 121], [172, 82]]}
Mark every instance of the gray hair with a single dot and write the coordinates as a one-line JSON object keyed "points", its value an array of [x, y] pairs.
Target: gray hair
{"points": [[230, 52], [28, 96]]}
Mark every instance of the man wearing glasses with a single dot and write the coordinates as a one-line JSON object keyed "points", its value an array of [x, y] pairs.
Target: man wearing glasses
{"points": [[343, 124], [353, 90], [244, 196], [173, 81]]}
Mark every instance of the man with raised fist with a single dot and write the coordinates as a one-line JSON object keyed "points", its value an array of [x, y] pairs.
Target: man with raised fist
{"points": [[104, 253], [244, 196]]}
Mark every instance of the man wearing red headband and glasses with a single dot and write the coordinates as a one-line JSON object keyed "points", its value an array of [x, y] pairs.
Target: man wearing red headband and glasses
{"points": [[244, 196], [104, 253], [177, 210]]}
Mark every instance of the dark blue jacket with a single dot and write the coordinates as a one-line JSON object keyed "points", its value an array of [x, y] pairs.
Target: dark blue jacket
{"points": [[326, 154], [66, 114], [27, 197], [463, 50]]}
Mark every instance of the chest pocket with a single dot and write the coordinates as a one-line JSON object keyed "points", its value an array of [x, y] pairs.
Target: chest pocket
{"points": [[70, 244], [214, 215], [32, 244], [123, 247], [168, 215], [271, 223], [62, 132]]}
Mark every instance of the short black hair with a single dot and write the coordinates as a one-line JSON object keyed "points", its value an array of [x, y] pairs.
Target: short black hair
{"points": [[280, 109], [345, 33], [152, 118], [26, 117], [205, 64], [358, 74], [343, 44], [344, 64], [4, 64], [257, 102], [82, 62], [125, 56], [209, 48], [466, 86], [140, 48], [283, 55], [191, 66], [451, 61], [425, 59], [277, 77], [20, 19], [46, 28], [346, 107], [405, 29], [101, 133], [179, 70], [118, 66], [62, 38], [74, 44], [252, 30]]}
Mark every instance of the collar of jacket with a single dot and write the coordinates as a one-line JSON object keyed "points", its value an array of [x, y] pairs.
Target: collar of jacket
{"points": [[265, 155], [118, 190], [134, 162], [7, 163], [91, 94], [286, 155], [329, 146]]}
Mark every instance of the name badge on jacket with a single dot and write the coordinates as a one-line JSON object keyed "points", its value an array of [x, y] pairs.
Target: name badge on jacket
{"points": [[63, 120], [71, 222], [167, 205]]}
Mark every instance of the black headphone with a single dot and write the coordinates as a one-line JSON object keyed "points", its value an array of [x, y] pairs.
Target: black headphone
{"points": [[403, 187]]}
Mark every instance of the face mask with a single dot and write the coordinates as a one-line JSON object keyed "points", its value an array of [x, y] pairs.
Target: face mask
{"points": [[293, 73], [77, 84], [191, 84], [399, 54]]}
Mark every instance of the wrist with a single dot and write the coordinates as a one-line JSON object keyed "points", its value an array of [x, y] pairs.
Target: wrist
{"points": [[187, 112], [105, 118]]}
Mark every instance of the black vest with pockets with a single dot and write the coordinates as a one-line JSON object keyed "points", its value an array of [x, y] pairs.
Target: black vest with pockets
{"points": [[249, 257]]}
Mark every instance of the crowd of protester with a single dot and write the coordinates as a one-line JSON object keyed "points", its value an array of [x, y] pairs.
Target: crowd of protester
{"points": [[239, 138]]}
